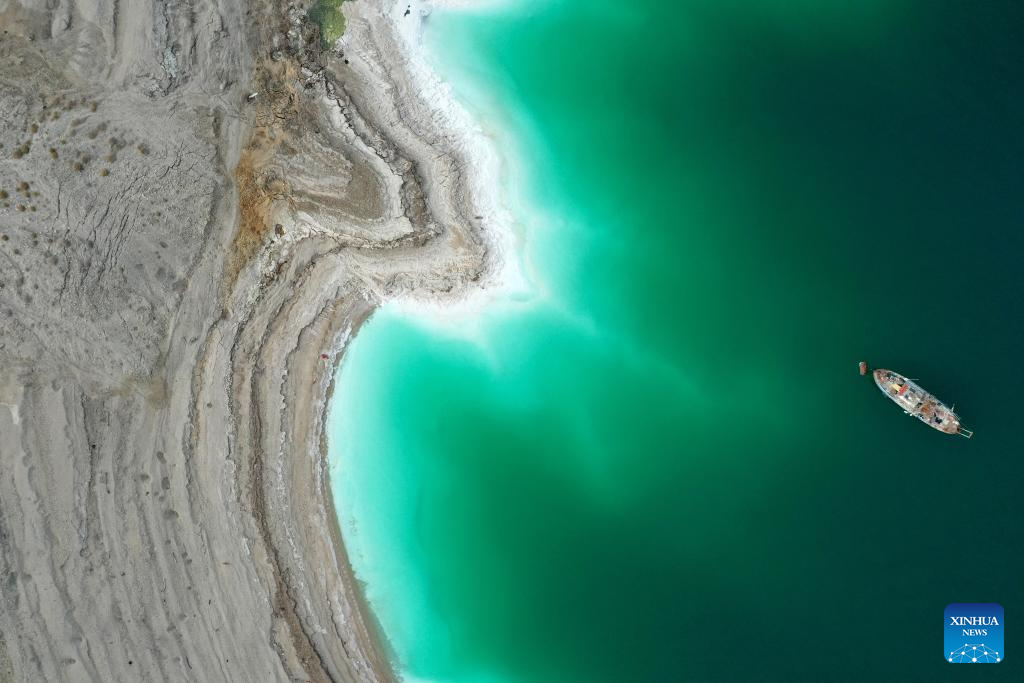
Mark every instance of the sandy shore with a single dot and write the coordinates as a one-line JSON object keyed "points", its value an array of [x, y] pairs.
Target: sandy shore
{"points": [[200, 208]]}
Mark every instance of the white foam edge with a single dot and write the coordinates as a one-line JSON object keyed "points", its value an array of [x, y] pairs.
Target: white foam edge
{"points": [[505, 280]]}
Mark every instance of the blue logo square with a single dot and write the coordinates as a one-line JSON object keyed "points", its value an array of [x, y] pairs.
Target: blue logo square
{"points": [[973, 633]]}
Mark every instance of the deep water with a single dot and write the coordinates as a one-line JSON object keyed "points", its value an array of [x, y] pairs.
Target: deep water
{"points": [[661, 464]]}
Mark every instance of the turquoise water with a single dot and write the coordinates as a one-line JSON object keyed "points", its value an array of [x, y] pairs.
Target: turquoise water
{"points": [[659, 462]]}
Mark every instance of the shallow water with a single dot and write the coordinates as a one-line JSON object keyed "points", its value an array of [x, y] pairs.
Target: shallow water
{"points": [[660, 463]]}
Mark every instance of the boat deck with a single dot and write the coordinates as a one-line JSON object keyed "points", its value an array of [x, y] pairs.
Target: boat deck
{"points": [[917, 402]]}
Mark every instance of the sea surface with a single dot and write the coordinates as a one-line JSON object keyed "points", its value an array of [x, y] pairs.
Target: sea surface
{"points": [[657, 462]]}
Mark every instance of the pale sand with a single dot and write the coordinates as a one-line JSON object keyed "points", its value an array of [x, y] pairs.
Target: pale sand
{"points": [[164, 503]]}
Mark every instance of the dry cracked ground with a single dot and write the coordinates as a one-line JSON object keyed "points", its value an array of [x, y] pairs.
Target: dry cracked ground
{"points": [[198, 208]]}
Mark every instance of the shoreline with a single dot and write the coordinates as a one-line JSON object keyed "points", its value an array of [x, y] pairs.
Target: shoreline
{"points": [[430, 114], [374, 637], [463, 136], [479, 152]]}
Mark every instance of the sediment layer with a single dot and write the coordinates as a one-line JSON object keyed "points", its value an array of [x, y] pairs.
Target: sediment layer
{"points": [[200, 208]]}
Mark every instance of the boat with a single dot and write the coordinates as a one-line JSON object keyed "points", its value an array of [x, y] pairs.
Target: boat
{"points": [[917, 402]]}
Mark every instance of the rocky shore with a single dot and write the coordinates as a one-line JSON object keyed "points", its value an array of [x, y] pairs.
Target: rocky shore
{"points": [[199, 206]]}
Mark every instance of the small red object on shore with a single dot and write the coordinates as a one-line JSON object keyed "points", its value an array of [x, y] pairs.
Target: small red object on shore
{"points": [[863, 368], [324, 356]]}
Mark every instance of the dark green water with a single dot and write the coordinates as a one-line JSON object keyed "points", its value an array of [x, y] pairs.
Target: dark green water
{"points": [[663, 465]]}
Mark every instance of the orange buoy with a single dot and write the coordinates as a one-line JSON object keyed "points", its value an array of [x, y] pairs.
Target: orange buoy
{"points": [[863, 368]]}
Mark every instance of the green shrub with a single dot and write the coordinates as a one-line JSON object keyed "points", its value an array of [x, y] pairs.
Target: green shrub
{"points": [[327, 14]]}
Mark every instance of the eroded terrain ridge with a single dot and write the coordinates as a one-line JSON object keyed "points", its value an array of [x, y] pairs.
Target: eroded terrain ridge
{"points": [[197, 204]]}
